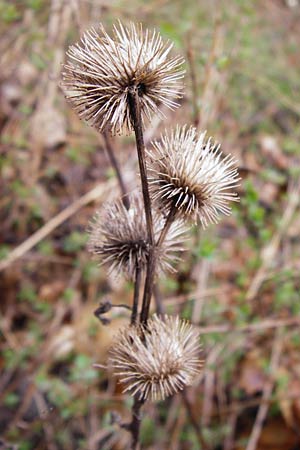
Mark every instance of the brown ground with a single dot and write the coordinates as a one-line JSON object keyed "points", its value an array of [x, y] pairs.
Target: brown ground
{"points": [[239, 281]]}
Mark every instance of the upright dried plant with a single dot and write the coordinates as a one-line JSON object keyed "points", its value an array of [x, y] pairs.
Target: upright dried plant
{"points": [[115, 83]]}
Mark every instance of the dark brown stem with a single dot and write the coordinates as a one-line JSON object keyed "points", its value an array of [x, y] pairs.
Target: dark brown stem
{"points": [[136, 422], [135, 112], [149, 282], [115, 165], [137, 285], [168, 223]]}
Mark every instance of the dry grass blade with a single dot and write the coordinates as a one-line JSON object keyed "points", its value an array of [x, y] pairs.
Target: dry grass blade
{"points": [[98, 191]]}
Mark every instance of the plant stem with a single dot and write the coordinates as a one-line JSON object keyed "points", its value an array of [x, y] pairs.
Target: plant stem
{"points": [[148, 286], [135, 112], [168, 223], [137, 284], [115, 165], [136, 422]]}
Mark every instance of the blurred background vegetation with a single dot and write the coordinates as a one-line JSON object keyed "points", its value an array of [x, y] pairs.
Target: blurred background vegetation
{"points": [[238, 281]]}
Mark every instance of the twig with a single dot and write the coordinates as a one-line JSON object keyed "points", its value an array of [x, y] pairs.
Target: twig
{"points": [[267, 392], [50, 226]]}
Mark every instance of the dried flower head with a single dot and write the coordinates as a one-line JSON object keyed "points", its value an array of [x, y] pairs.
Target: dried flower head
{"points": [[189, 173], [157, 360], [119, 238], [102, 70]]}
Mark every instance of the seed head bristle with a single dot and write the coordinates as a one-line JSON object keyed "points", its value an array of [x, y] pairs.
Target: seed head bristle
{"points": [[101, 70], [188, 172], [119, 238], [157, 360]]}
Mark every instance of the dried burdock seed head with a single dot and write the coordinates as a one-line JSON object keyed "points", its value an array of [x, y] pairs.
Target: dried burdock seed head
{"points": [[102, 70], [189, 173], [119, 238], [157, 360]]}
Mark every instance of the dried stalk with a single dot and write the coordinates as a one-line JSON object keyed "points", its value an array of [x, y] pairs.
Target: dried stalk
{"points": [[137, 285], [168, 223], [136, 422], [135, 112]]}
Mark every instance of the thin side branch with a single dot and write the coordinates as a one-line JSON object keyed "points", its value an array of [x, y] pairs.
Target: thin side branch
{"points": [[137, 285], [170, 219]]}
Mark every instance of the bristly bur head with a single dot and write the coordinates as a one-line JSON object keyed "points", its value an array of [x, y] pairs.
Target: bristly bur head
{"points": [[102, 70], [119, 238], [157, 360], [189, 173]]}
